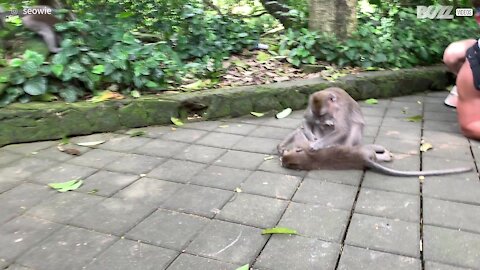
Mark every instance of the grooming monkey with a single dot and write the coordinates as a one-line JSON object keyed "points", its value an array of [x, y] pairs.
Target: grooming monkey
{"points": [[42, 24], [332, 118], [351, 157]]}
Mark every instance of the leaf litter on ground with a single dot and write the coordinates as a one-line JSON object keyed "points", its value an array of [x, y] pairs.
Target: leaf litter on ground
{"points": [[106, 95], [92, 143], [139, 133], [279, 230], [66, 186], [284, 113], [259, 67], [257, 114], [425, 147], [176, 121], [371, 101], [415, 118], [244, 267]]}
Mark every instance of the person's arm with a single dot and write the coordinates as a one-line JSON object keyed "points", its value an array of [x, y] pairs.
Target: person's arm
{"points": [[468, 106]]}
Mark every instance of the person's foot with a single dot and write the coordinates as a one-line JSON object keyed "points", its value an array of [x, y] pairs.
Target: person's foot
{"points": [[452, 98]]}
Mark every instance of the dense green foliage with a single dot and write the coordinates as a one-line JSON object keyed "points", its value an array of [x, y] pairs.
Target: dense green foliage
{"points": [[154, 45], [110, 55], [395, 38]]}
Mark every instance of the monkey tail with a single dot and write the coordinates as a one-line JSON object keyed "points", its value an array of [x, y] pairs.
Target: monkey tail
{"points": [[388, 171]]}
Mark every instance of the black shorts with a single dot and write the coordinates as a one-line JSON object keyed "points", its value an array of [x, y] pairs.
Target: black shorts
{"points": [[473, 56]]}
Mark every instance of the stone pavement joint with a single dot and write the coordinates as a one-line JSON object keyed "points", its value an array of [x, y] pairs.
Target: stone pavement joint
{"points": [[198, 196]]}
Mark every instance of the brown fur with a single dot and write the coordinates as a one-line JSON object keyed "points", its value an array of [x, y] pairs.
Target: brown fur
{"points": [[348, 158], [332, 117]]}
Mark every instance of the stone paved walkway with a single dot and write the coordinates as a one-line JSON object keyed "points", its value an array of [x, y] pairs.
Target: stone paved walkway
{"points": [[169, 199]]}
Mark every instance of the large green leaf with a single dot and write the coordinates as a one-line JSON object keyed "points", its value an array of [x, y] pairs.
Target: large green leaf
{"points": [[10, 95], [33, 56], [4, 78], [17, 78], [57, 69], [76, 68], [35, 86], [66, 186], [124, 15], [415, 118], [16, 62], [279, 230], [244, 267], [257, 114], [70, 51], [29, 68], [371, 101], [151, 84], [141, 69], [98, 69], [129, 38], [176, 121], [284, 113], [69, 94], [60, 58]]}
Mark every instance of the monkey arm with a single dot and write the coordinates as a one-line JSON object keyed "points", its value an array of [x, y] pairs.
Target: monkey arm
{"points": [[328, 140], [298, 138], [339, 136], [281, 147], [355, 136], [308, 130]]}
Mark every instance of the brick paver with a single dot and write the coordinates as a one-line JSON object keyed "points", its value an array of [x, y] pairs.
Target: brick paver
{"points": [[198, 196]]}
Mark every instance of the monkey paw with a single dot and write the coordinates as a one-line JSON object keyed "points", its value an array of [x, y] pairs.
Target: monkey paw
{"points": [[313, 147]]}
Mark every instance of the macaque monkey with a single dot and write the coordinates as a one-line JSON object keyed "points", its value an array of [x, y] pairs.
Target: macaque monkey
{"points": [[42, 24], [332, 118], [351, 157]]}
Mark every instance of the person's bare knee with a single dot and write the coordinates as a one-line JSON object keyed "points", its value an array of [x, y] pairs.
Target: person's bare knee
{"points": [[471, 130], [454, 54]]}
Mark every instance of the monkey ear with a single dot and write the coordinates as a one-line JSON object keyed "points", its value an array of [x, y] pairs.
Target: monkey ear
{"points": [[332, 97]]}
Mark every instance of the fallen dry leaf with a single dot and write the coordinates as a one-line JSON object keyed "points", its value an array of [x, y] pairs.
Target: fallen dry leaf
{"points": [[106, 95], [93, 143], [70, 151], [425, 147]]}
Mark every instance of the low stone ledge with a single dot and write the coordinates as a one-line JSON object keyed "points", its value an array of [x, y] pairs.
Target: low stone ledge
{"points": [[46, 121]]}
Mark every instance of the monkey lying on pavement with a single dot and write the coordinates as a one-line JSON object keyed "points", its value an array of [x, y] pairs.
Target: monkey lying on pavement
{"points": [[351, 157], [330, 138]]}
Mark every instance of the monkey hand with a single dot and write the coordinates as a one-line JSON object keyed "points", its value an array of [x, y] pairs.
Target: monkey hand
{"points": [[314, 146], [330, 145], [281, 150]]}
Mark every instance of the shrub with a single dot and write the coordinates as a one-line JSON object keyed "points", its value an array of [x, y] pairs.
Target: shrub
{"points": [[396, 39]]}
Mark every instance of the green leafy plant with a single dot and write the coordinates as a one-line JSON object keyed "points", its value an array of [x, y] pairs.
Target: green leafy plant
{"points": [[391, 36], [299, 46]]}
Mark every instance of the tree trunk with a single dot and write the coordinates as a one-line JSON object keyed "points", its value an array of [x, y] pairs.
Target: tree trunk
{"points": [[333, 16], [276, 8], [56, 4]]}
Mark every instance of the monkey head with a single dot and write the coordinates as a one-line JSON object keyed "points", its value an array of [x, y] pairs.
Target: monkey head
{"points": [[294, 158], [323, 103]]}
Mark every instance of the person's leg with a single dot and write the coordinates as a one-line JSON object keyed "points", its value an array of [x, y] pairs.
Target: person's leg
{"points": [[454, 57], [468, 107], [454, 54]]}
